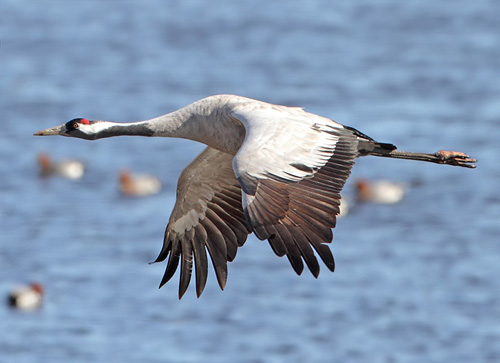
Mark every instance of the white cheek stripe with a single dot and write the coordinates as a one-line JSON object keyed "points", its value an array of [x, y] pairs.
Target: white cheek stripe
{"points": [[96, 127]]}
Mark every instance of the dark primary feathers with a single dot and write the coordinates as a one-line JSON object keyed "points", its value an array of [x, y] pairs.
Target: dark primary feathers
{"points": [[207, 216]]}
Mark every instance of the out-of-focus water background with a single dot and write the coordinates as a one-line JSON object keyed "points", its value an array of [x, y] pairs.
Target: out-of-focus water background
{"points": [[415, 282]]}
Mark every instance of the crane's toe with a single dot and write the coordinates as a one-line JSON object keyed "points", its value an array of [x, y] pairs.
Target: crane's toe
{"points": [[456, 158]]}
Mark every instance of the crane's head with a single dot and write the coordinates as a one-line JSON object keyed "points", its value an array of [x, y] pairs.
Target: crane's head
{"points": [[78, 127]]}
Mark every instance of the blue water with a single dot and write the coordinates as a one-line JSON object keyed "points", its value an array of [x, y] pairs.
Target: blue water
{"points": [[415, 282]]}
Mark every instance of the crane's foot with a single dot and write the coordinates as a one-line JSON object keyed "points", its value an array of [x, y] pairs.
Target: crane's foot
{"points": [[455, 158]]}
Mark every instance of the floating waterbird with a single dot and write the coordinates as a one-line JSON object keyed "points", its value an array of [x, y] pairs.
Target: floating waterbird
{"points": [[138, 185], [69, 169], [273, 170], [26, 297], [380, 191]]}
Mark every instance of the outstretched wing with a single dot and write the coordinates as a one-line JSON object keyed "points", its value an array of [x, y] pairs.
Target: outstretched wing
{"points": [[292, 167], [207, 216]]}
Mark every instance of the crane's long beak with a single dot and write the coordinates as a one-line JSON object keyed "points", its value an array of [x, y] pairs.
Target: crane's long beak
{"points": [[58, 130]]}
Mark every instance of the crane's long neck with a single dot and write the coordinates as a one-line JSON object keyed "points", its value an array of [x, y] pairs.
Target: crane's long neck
{"points": [[165, 125], [201, 121], [103, 129]]}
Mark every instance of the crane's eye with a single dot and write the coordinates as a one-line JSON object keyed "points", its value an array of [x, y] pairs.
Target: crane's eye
{"points": [[73, 124]]}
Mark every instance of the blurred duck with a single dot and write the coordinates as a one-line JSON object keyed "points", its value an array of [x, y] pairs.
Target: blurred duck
{"points": [[138, 185], [379, 191], [28, 297], [69, 169], [343, 207]]}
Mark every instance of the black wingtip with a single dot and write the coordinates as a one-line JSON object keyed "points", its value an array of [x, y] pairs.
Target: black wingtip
{"points": [[161, 257], [315, 271], [162, 283], [181, 294]]}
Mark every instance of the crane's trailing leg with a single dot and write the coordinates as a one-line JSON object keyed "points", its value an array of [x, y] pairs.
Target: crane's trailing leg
{"points": [[456, 158], [368, 146]]}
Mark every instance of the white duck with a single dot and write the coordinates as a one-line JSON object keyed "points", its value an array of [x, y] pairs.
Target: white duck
{"points": [[138, 185], [69, 169], [380, 191], [26, 297]]}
